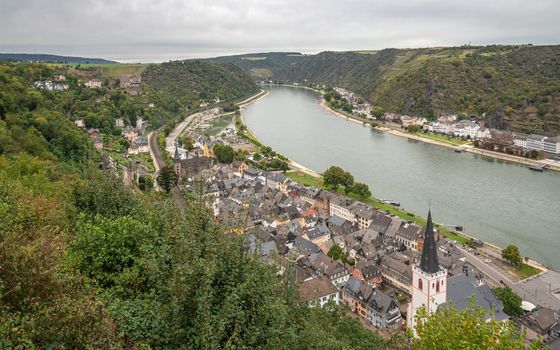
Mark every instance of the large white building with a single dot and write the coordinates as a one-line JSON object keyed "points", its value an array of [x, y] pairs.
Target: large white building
{"points": [[429, 281], [552, 145], [535, 142]]}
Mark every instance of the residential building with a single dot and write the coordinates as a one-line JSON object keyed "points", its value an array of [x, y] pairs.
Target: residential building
{"points": [[364, 217], [378, 308], [139, 145], [410, 235], [129, 133], [119, 123], [396, 273], [93, 83], [520, 141], [342, 206], [239, 167], [132, 84], [541, 323], [318, 292], [79, 123]]}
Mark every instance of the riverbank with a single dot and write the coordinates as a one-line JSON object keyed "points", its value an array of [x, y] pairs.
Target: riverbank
{"points": [[313, 178], [467, 148]]}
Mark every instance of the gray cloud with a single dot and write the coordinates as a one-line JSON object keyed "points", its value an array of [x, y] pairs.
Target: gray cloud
{"points": [[149, 30]]}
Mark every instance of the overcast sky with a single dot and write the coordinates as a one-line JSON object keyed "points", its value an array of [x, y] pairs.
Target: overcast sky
{"points": [[160, 30]]}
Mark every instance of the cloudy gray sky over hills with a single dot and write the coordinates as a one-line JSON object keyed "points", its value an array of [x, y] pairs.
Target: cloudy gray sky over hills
{"points": [[159, 30]]}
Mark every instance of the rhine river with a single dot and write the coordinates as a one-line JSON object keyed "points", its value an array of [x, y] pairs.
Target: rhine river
{"points": [[496, 201]]}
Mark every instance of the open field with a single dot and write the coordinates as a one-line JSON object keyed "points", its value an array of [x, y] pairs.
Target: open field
{"points": [[115, 70]]}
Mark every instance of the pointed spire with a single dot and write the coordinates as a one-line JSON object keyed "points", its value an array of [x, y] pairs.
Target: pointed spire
{"points": [[429, 261], [177, 156]]}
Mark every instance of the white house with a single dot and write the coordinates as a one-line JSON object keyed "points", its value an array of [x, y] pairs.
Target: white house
{"points": [[93, 83], [318, 292], [520, 141]]}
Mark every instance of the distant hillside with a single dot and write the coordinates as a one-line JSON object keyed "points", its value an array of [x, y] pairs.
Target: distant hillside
{"points": [[190, 81], [262, 65], [514, 87], [25, 57]]}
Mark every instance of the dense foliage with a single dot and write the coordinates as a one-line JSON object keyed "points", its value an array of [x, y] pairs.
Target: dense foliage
{"points": [[512, 302], [466, 329], [191, 81], [511, 253], [87, 263]]}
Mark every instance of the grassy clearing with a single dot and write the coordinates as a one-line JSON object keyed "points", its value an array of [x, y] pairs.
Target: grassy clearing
{"points": [[442, 138], [115, 70], [309, 180], [525, 271]]}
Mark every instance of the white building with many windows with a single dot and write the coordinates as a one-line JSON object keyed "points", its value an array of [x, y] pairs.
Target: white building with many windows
{"points": [[552, 145]]}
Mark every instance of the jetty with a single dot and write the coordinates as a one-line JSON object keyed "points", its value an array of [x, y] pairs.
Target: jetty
{"points": [[539, 168]]}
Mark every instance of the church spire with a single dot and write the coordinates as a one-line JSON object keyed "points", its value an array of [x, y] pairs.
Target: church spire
{"points": [[176, 156], [429, 261]]}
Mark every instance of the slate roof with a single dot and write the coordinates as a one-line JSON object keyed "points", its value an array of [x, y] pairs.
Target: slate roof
{"points": [[460, 288], [305, 246], [429, 260], [380, 222]]}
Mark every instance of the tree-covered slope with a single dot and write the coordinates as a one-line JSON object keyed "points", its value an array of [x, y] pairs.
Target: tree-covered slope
{"points": [[263, 65], [86, 263], [190, 81]]}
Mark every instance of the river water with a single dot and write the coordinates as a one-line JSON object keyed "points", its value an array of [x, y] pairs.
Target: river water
{"points": [[496, 201]]}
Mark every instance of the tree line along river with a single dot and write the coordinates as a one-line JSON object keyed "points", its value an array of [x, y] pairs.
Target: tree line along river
{"points": [[497, 201]]}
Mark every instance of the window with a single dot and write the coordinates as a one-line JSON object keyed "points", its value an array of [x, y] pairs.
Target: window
{"points": [[437, 287], [420, 284]]}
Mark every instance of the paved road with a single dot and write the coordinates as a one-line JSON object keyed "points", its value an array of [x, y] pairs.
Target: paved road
{"points": [[159, 163], [539, 290], [491, 273]]}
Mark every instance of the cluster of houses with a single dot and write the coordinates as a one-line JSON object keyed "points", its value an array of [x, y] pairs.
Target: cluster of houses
{"points": [[57, 84], [359, 105], [468, 129], [296, 227], [387, 269], [135, 135], [131, 83]]}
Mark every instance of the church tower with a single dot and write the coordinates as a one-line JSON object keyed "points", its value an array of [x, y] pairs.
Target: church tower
{"points": [[429, 281]]}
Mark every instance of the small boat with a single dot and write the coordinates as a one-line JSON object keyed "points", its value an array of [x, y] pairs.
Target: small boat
{"points": [[539, 168], [390, 201], [458, 150]]}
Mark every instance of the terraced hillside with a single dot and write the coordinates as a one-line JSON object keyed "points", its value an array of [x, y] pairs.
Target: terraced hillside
{"points": [[512, 87], [191, 81]]}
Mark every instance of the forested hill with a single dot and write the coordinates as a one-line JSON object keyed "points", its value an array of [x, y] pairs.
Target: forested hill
{"points": [[262, 65], [86, 263], [190, 81], [514, 87], [27, 57]]}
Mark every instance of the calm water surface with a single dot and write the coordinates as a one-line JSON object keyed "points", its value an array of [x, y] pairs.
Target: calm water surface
{"points": [[496, 201]]}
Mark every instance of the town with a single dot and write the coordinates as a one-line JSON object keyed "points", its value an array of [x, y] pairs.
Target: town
{"points": [[345, 252], [382, 267]]}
